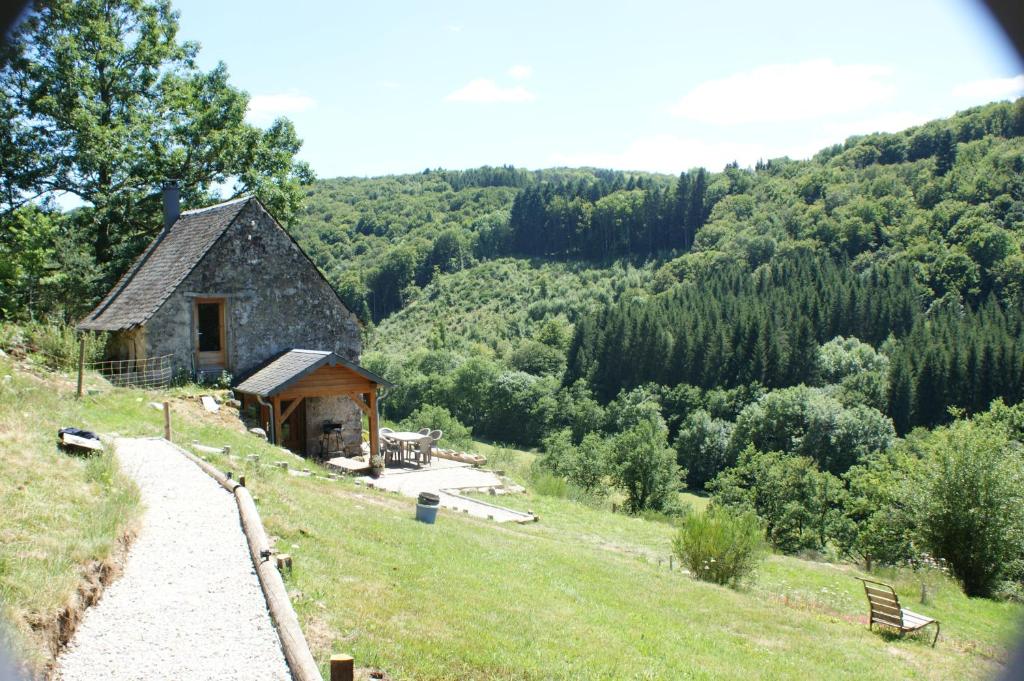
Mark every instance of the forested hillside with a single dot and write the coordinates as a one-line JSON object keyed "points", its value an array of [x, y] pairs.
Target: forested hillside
{"points": [[944, 196], [381, 239], [907, 242]]}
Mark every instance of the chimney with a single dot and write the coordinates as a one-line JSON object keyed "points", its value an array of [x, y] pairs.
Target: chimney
{"points": [[172, 202]]}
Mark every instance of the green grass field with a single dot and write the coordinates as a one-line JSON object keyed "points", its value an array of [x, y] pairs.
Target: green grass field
{"points": [[583, 594], [58, 513]]}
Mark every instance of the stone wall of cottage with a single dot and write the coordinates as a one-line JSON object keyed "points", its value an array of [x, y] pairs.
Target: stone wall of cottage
{"points": [[275, 301], [336, 409]]}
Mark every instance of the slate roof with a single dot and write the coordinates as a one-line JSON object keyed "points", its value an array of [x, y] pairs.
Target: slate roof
{"points": [[161, 268], [281, 372]]}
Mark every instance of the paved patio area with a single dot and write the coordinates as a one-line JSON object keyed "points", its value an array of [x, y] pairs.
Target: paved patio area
{"points": [[448, 479]]}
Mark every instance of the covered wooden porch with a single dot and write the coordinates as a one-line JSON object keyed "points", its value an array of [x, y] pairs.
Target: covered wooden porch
{"points": [[286, 385]]}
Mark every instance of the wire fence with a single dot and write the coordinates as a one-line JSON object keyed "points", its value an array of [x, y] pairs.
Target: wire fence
{"points": [[149, 372]]}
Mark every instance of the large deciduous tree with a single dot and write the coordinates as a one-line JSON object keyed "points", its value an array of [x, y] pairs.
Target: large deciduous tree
{"points": [[99, 99]]}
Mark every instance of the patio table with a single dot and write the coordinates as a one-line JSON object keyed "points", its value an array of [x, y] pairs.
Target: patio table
{"points": [[407, 439]]}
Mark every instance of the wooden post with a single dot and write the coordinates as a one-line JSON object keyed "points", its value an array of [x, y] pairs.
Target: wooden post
{"points": [[81, 364], [277, 420], [374, 427], [342, 668], [167, 421]]}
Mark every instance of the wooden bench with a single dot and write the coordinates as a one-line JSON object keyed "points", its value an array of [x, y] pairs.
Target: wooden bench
{"points": [[885, 609]]}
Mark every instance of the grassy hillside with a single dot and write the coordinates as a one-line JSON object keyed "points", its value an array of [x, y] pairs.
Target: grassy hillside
{"points": [[63, 517], [581, 594]]}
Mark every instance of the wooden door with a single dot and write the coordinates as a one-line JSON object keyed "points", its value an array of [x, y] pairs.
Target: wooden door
{"points": [[293, 430], [211, 339]]}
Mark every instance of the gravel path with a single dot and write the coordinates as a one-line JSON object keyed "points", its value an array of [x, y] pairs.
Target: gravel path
{"points": [[189, 605], [446, 478]]}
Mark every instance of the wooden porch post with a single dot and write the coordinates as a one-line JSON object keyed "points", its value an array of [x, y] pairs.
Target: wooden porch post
{"points": [[277, 420], [374, 429]]}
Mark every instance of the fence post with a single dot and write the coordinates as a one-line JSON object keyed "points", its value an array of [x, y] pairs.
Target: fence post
{"points": [[167, 421], [81, 364], [342, 668]]}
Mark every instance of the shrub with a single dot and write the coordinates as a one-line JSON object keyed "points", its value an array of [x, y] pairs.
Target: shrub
{"points": [[548, 484], [643, 465], [545, 483], [672, 517], [585, 465], [970, 502], [720, 545], [438, 418], [877, 526], [58, 344]]}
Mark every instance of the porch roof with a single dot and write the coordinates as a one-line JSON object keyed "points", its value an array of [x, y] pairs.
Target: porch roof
{"points": [[287, 369]]}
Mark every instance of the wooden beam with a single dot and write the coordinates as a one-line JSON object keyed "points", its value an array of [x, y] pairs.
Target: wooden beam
{"points": [[277, 420], [319, 392], [358, 399], [374, 429], [291, 407]]}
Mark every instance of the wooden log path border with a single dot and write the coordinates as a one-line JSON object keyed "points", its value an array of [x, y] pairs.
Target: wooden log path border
{"points": [[293, 642]]}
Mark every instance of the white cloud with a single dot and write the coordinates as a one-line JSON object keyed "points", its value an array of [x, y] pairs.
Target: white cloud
{"points": [[388, 84], [520, 71], [265, 108], [991, 89], [486, 90], [673, 154], [453, 28], [787, 92]]}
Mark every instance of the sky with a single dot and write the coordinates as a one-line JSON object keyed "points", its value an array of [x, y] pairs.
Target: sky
{"points": [[383, 87]]}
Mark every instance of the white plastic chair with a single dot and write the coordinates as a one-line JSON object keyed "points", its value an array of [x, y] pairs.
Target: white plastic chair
{"points": [[424, 450]]}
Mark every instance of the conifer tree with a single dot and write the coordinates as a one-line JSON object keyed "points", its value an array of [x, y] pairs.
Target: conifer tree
{"points": [[901, 394], [945, 154], [695, 215], [680, 212]]}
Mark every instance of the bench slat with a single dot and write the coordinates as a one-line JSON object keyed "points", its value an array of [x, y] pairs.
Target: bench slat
{"points": [[893, 620], [886, 607], [884, 601], [872, 591], [912, 619]]}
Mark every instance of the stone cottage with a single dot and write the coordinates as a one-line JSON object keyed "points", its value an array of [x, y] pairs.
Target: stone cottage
{"points": [[227, 289]]}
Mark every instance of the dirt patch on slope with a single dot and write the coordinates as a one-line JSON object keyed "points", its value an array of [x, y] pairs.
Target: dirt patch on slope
{"points": [[55, 628]]}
